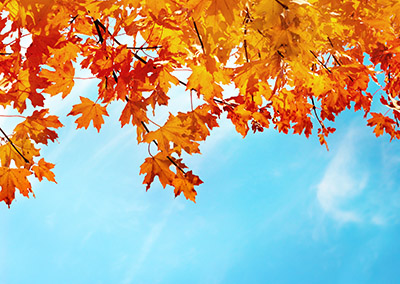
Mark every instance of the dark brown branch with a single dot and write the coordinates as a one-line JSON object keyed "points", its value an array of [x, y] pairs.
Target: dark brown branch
{"points": [[283, 5], [97, 25], [139, 58], [115, 76], [73, 19], [246, 20], [5, 53], [12, 144], [145, 47], [245, 48], [320, 62], [315, 112], [330, 41], [198, 35], [336, 60]]}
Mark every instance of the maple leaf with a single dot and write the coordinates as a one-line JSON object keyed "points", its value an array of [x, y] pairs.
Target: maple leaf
{"points": [[12, 179], [175, 132], [382, 123], [43, 170], [36, 126], [25, 147], [90, 111], [202, 81], [157, 166], [62, 79], [185, 183], [199, 121]]}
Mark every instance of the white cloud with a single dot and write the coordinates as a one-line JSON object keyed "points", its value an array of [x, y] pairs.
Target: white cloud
{"points": [[378, 220], [342, 181]]}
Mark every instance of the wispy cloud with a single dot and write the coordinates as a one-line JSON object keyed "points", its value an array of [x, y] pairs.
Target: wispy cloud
{"points": [[148, 244], [342, 181]]}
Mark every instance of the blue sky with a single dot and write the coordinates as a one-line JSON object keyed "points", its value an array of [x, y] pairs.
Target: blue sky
{"points": [[273, 208]]}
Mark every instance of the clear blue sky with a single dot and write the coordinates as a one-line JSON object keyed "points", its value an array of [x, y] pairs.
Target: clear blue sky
{"points": [[273, 209]]}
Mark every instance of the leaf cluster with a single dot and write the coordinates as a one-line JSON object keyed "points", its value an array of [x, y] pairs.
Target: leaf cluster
{"points": [[295, 65]]}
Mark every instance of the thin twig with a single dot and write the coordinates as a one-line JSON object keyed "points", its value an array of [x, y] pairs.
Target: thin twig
{"points": [[12, 144], [315, 112], [73, 19], [198, 35], [97, 24], [115, 77], [145, 47], [323, 65], [6, 115], [139, 58], [245, 22], [283, 5], [330, 41], [245, 47], [336, 60]]}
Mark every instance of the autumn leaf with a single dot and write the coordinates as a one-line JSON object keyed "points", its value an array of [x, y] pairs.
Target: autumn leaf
{"points": [[12, 179], [175, 132], [157, 166], [185, 183], [8, 153], [382, 123], [43, 170], [62, 79], [90, 111], [37, 127]]}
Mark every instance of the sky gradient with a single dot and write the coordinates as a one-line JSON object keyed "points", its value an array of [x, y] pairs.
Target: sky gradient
{"points": [[273, 208]]}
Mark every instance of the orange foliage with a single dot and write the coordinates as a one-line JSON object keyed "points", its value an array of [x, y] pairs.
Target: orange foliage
{"points": [[295, 64]]}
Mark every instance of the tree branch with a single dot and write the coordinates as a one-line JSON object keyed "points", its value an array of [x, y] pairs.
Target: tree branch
{"points": [[145, 47], [198, 35], [315, 111], [12, 144], [320, 62], [283, 5]]}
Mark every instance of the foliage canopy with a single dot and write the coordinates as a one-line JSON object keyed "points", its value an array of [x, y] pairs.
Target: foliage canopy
{"points": [[295, 64]]}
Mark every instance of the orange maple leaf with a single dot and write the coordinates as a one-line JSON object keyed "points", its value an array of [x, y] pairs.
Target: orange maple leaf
{"points": [[8, 153], [62, 79], [185, 183], [173, 131], [157, 166], [43, 170], [37, 127], [10, 179], [90, 111], [382, 123]]}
